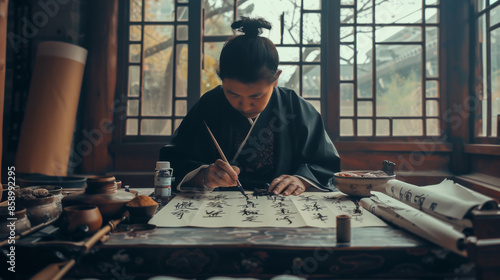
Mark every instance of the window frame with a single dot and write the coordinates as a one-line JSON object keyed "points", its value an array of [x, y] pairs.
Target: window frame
{"points": [[330, 84], [485, 139]]}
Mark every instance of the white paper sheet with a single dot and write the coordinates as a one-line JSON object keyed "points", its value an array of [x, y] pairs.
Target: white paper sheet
{"points": [[415, 221], [446, 200], [230, 209]]}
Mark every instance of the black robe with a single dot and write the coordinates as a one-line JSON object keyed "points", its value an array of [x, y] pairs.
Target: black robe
{"points": [[288, 138]]}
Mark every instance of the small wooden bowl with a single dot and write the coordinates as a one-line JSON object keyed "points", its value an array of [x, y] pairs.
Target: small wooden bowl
{"points": [[141, 214], [360, 186]]}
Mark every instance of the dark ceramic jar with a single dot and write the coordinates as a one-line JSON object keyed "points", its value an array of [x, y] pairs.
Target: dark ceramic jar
{"points": [[81, 215], [40, 210], [22, 223], [102, 192]]}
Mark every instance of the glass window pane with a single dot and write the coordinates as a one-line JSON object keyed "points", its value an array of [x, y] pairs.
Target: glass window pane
{"points": [[159, 10], [407, 127], [398, 34], [209, 78], [493, 2], [346, 62], [365, 108], [481, 87], [431, 2], [158, 76], [347, 2], [432, 15], [316, 104], [181, 70], [311, 54], [346, 127], [311, 28], [132, 107], [365, 11], [399, 90], [183, 13], [180, 108], [432, 127], [347, 34], [431, 52], [156, 127], [134, 53], [312, 5], [482, 40], [383, 127], [431, 89], [398, 11], [135, 33], [311, 80], [495, 79], [218, 17], [495, 16], [432, 108], [346, 99], [291, 34], [135, 10], [289, 54], [182, 32], [346, 15], [289, 78], [131, 127], [134, 87], [364, 46], [365, 128]]}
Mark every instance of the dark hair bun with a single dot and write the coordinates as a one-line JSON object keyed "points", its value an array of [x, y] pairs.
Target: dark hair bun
{"points": [[252, 27]]}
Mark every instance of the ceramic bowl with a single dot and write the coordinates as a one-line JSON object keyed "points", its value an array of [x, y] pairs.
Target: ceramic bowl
{"points": [[360, 186], [141, 214]]}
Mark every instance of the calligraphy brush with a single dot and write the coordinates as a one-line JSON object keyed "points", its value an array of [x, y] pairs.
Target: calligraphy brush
{"points": [[224, 158]]}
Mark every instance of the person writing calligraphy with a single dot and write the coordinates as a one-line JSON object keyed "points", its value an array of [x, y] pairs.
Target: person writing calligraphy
{"points": [[268, 133]]}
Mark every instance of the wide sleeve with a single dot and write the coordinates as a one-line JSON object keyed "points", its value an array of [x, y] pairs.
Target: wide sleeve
{"points": [[318, 158], [188, 150]]}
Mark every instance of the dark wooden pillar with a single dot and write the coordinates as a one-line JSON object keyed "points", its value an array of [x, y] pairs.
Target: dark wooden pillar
{"points": [[4, 4], [100, 83], [457, 22]]}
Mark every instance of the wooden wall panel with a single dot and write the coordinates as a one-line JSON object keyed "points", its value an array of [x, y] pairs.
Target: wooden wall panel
{"points": [[3, 48]]}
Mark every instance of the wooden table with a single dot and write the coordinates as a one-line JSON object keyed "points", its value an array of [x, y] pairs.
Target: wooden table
{"points": [[313, 253]]}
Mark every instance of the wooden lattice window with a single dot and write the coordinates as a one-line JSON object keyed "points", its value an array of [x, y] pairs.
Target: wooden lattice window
{"points": [[389, 68]]}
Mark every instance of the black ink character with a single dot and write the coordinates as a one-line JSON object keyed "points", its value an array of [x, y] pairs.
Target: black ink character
{"points": [[419, 200], [286, 218], [185, 205], [246, 212], [408, 195], [278, 204], [433, 206], [316, 207], [320, 217], [213, 214], [180, 213], [251, 219], [306, 198], [218, 197]]}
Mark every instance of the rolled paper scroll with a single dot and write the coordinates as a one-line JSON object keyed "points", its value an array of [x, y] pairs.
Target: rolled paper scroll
{"points": [[415, 221], [49, 121], [447, 200]]}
